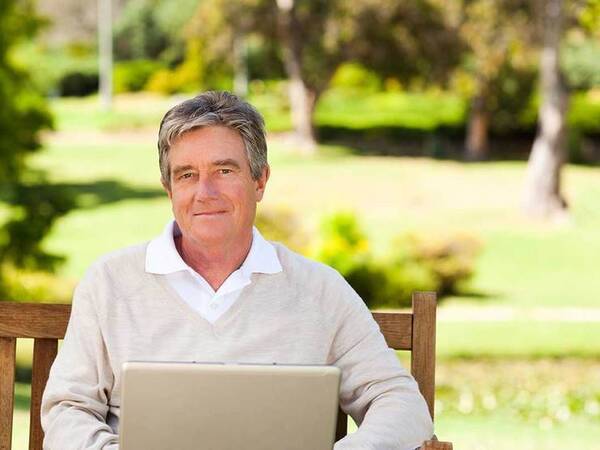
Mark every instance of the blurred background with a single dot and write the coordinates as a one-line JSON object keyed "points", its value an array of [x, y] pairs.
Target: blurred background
{"points": [[447, 145]]}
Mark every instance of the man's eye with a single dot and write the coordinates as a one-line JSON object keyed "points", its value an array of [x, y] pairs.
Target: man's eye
{"points": [[185, 175], [225, 171]]}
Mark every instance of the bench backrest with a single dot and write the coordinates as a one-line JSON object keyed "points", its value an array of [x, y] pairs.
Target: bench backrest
{"points": [[47, 323]]}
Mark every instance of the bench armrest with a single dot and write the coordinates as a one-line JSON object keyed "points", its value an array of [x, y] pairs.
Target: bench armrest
{"points": [[436, 445]]}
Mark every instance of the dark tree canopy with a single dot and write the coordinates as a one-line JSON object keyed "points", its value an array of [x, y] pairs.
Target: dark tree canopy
{"points": [[33, 206], [406, 40]]}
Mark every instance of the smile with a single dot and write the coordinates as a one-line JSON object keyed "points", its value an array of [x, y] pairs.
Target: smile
{"points": [[209, 213]]}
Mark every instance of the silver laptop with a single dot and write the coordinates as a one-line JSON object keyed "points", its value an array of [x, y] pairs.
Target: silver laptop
{"points": [[192, 406]]}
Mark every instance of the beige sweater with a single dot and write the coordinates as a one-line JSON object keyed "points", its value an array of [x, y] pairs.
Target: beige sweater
{"points": [[306, 314]]}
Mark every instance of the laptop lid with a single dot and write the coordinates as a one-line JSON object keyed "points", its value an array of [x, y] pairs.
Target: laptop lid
{"points": [[187, 406]]}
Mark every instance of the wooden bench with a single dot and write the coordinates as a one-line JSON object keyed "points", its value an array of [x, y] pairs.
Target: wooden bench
{"points": [[47, 323]]}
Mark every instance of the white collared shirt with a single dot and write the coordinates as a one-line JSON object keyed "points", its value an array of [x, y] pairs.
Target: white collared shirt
{"points": [[162, 258]]}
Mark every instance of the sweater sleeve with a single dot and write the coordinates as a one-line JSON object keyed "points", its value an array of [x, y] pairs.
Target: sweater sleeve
{"points": [[376, 391], [75, 401]]}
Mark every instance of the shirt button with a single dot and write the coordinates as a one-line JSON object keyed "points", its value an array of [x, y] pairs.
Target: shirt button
{"points": [[214, 306]]}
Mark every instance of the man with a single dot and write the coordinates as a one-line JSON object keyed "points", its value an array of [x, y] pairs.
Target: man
{"points": [[210, 288]]}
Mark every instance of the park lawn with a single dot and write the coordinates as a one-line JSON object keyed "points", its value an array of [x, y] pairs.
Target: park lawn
{"points": [[505, 432], [517, 339], [523, 263]]}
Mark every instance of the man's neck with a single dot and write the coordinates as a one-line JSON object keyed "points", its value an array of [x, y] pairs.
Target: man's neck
{"points": [[214, 263]]}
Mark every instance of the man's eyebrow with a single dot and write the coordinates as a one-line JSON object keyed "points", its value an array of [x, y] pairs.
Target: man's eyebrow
{"points": [[178, 169], [226, 162]]}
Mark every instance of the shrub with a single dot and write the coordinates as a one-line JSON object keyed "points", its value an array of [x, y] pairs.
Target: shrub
{"points": [[581, 64], [78, 84], [447, 260], [280, 225], [354, 76], [188, 76], [34, 286], [132, 76], [414, 263], [343, 244]]}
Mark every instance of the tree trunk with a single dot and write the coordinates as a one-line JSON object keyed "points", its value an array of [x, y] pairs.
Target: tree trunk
{"points": [[105, 55], [302, 97], [542, 189], [476, 143], [240, 65]]}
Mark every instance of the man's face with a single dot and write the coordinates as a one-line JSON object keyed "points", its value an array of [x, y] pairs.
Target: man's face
{"points": [[212, 192]]}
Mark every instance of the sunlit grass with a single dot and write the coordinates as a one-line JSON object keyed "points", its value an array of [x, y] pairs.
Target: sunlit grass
{"points": [[523, 263]]}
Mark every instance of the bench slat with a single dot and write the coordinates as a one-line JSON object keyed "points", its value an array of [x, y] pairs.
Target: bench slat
{"points": [[397, 329], [422, 362], [31, 320], [7, 390], [44, 352]]}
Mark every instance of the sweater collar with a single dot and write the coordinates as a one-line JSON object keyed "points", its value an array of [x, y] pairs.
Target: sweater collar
{"points": [[163, 258]]}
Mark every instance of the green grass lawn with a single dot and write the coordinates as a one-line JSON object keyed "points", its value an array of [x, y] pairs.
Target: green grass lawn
{"points": [[524, 265]]}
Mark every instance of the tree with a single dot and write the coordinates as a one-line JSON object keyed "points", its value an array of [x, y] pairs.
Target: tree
{"points": [[499, 40], [543, 196], [403, 39], [22, 116]]}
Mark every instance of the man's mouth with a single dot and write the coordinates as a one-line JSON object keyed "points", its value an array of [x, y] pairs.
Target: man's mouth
{"points": [[209, 213]]}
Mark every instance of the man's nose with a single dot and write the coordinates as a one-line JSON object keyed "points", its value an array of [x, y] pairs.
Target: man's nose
{"points": [[205, 188]]}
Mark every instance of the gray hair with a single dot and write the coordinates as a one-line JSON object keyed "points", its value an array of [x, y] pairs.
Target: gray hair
{"points": [[209, 109]]}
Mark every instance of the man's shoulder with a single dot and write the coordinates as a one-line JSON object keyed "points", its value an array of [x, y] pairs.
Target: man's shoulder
{"points": [[123, 262], [305, 270], [317, 281], [290, 259]]}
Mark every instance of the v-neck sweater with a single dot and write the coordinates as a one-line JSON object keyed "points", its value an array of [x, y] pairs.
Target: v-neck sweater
{"points": [[305, 314]]}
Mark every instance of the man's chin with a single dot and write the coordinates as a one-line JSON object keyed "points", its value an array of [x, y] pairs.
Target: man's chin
{"points": [[213, 235]]}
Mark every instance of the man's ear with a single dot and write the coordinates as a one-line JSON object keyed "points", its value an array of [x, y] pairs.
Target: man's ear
{"points": [[261, 183]]}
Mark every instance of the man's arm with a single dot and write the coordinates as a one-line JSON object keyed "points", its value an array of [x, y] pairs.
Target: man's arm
{"points": [[75, 401], [379, 394]]}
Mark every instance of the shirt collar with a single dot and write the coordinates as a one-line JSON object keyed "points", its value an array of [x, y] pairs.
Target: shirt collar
{"points": [[163, 258]]}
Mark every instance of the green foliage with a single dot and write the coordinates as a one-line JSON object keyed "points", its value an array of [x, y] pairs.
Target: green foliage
{"points": [[132, 76], [581, 64], [152, 29], [510, 97], [447, 260], [78, 83], [424, 111], [22, 116], [355, 77], [344, 245], [414, 263], [584, 112], [137, 34], [281, 225], [21, 285], [71, 70], [37, 208], [322, 35], [589, 16], [186, 77]]}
